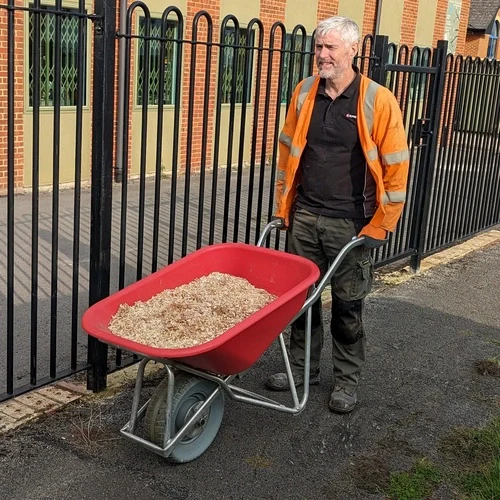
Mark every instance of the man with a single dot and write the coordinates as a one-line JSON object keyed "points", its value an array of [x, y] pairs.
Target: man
{"points": [[342, 172]]}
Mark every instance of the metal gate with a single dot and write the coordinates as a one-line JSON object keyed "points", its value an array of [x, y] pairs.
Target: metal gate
{"points": [[66, 249], [416, 78], [44, 262]]}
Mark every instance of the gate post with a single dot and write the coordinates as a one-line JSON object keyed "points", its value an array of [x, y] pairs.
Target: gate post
{"points": [[381, 54], [430, 134], [101, 180]]}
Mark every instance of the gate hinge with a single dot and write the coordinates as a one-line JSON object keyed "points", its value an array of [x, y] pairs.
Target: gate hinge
{"points": [[376, 61], [98, 24], [421, 130]]}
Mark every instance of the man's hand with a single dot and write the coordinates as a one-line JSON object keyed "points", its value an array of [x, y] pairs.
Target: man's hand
{"points": [[281, 223], [375, 237], [373, 243]]}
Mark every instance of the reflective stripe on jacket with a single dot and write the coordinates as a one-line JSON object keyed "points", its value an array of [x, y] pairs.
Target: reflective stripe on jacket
{"points": [[382, 137]]}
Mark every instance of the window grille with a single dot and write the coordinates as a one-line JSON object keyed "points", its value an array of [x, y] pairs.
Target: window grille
{"points": [[46, 52], [301, 63], [231, 49], [155, 63]]}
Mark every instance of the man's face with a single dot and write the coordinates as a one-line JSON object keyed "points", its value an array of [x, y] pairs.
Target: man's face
{"points": [[333, 56]]}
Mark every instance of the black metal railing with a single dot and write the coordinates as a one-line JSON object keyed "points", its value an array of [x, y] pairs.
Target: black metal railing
{"points": [[41, 301], [199, 108], [465, 197]]}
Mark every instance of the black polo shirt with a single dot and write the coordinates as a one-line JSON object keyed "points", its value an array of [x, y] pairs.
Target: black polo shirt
{"points": [[334, 178]]}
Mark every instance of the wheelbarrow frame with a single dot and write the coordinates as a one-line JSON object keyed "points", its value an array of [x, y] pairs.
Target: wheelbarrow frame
{"points": [[224, 383]]}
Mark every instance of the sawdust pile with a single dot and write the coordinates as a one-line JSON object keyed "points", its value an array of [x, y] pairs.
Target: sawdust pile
{"points": [[190, 314]]}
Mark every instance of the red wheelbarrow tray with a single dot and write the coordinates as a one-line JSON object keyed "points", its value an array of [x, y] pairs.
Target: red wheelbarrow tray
{"points": [[286, 276]]}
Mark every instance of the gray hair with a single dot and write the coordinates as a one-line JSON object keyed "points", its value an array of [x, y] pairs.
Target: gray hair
{"points": [[345, 27]]}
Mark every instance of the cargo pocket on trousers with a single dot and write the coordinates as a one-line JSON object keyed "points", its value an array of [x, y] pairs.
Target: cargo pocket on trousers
{"points": [[362, 279]]}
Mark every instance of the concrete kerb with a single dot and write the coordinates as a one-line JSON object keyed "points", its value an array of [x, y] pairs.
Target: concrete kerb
{"points": [[49, 399]]}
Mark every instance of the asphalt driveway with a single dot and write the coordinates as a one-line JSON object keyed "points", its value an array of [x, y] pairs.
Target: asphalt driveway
{"points": [[420, 381]]}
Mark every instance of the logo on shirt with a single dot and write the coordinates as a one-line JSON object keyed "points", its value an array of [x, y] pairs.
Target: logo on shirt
{"points": [[354, 117]]}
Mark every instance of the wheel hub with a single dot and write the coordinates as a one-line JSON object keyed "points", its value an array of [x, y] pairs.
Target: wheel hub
{"points": [[198, 427]]}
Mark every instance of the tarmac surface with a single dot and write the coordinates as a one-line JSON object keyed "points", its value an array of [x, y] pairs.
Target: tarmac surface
{"points": [[425, 334]]}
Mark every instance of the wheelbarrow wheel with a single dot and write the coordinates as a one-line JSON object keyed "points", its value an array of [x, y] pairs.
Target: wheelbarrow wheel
{"points": [[189, 394]]}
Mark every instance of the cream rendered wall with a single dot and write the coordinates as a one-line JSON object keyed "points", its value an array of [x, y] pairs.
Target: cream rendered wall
{"points": [[156, 8], [152, 140], [390, 19], [67, 146], [244, 11], [67, 140], [354, 10], [300, 12], [425, 23]]}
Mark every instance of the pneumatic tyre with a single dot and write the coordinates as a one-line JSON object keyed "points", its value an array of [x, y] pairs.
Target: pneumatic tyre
{"points": [[190, 393]]}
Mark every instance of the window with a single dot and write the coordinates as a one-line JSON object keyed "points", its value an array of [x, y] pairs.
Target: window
{"points": [[69, 57], [230, 50], [492, 45], [301, 63], [155, 63]]}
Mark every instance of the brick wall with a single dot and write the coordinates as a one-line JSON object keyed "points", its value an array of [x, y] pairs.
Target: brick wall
{"points": [[464, 21], [472, 43], [195, 150], [327, 8], [18, 166], [440, 21], [369, 16], [270, 12], [408, 22]]}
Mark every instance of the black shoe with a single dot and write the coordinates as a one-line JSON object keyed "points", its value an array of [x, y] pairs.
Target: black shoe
{"points": [[279, 381], [343, 399]]}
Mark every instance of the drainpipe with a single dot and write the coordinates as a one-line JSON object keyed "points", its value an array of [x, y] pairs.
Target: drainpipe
{"points": [[377, 16], [120, 119]]}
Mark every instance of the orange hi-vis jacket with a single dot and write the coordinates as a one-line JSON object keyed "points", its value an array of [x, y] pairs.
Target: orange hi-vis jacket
{"points": [[383, 140]]}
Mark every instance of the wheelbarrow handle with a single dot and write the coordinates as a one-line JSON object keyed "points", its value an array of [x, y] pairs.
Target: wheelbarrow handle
{"points": [[275, 223], [279, 223], [355, 242]]}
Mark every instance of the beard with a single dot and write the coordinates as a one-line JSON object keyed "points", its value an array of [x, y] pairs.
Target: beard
{"points": [[334, 72], [330, 74]]}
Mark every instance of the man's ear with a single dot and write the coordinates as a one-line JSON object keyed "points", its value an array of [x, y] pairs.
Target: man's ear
{"points": [[354, 49]]}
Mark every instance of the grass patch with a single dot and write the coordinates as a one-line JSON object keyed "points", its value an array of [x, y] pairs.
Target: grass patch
{"points": [[477, 455], [470, 466], [416, 484], [371, 473], [489, 367], [483, 485], [473, 448]]}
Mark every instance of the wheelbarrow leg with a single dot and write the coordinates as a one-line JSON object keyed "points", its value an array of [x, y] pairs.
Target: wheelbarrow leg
{"points": [[168, 414], [137, 394], [307, 361], [307, 352]]}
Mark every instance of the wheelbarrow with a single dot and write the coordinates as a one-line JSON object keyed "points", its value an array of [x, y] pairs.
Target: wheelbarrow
{"points": [[184, 413]]}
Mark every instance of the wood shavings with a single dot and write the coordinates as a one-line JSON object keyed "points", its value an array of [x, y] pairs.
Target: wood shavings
{"points": [[190, 314]]}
